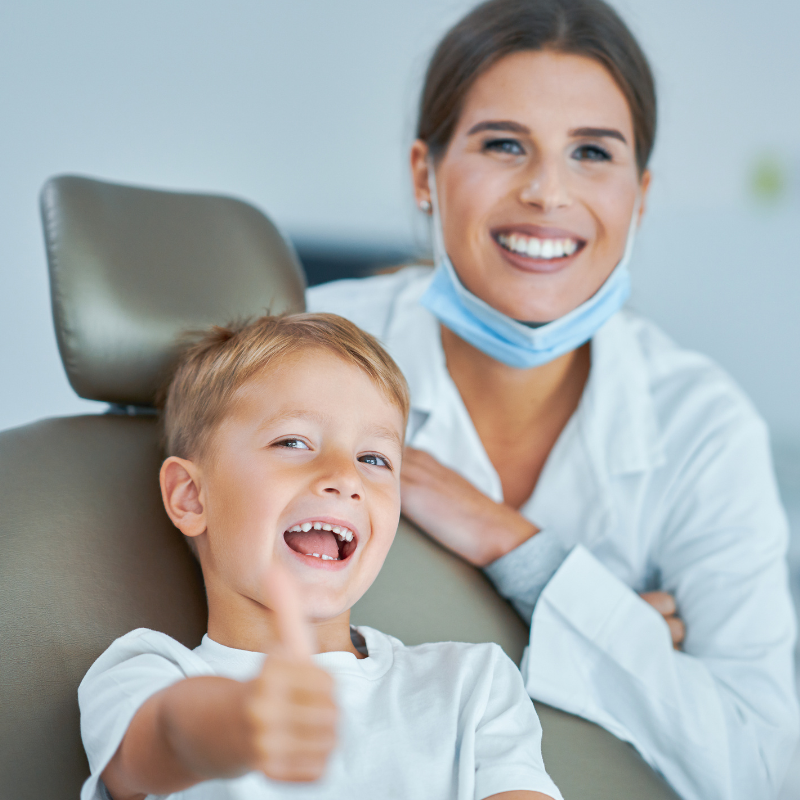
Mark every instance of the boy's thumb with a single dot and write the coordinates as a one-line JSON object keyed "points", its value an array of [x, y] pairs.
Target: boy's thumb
{"points": [[295, 637]]}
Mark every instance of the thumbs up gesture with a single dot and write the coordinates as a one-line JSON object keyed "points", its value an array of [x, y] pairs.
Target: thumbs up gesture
{"points": [[289, 706]]}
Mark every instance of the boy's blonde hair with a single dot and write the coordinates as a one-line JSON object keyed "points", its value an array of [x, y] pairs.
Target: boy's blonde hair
{"points": [[213, 369]]}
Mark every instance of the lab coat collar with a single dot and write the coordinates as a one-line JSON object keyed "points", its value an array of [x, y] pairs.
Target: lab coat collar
{"points": [[616, 415], [413, 338]]}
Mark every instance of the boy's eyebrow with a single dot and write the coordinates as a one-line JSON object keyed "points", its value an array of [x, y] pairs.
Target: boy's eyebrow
{"points": [[379, 431], [384, 432], [294, 413]]}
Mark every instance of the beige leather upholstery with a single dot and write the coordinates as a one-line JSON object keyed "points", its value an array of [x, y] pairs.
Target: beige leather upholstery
{"points": [[86, 550], [86, 554], [132, 268]]}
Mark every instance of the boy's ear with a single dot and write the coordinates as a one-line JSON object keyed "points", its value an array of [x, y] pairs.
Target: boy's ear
{"points": [[180, 491]]}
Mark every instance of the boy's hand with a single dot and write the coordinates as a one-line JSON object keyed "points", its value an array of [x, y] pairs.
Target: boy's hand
{"points": [[289, 707]]}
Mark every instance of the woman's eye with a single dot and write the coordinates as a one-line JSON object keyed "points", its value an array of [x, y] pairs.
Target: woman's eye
{"points": [[591, 152], [375, 460], [294, 444], [507, 146]]}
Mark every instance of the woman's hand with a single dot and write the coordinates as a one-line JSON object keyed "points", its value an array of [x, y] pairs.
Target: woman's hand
{"points": [[459, 516], [664, 603]]}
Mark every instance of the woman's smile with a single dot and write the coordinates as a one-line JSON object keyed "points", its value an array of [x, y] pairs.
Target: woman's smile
{"points": [[535, 248]]}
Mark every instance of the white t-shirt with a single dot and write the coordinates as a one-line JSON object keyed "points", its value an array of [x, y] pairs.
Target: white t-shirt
{"points": [[445, 720]]}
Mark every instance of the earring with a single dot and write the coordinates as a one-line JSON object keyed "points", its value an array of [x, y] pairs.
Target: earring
{"points": [[424, 205]]}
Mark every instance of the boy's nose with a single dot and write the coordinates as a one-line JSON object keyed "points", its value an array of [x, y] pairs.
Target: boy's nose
{"points": [[340, 476]]}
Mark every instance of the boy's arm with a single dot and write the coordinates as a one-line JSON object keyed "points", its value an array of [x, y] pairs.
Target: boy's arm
{"points": [[282, 723]]}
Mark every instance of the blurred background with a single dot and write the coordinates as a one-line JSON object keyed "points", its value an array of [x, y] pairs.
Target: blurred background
{"points": [[307, 109]]}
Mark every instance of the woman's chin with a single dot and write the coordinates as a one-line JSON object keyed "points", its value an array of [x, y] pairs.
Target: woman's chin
{"points": [[537, 296], [534, 305]]}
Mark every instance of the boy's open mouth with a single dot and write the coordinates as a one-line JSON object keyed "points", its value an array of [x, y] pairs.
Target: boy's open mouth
{"points": [[322, 540]]}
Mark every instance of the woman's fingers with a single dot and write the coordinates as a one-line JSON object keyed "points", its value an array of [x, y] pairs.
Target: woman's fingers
{"points": [[677, 629], [664, 603]]}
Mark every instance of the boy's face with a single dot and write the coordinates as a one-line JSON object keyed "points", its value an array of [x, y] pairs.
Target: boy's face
{"points": [[308, 448]]}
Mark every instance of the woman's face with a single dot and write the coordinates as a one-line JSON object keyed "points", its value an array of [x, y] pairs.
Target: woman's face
{"points": [[538, 184]]}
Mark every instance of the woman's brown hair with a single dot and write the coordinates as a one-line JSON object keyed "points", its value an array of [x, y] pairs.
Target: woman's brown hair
{"points": [[498, 28]]}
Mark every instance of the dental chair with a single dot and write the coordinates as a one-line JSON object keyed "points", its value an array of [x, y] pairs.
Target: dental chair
{"points": [[86, 550]]}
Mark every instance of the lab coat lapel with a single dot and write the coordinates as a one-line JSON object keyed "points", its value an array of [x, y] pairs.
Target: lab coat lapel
{"points": [[439, 422], [613, 432]]}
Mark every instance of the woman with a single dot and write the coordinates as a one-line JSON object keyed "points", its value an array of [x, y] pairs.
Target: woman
{"points": [[597, 472]]}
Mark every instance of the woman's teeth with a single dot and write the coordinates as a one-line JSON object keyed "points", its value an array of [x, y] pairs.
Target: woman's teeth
{"points": [[344, 534], [538, 248]]}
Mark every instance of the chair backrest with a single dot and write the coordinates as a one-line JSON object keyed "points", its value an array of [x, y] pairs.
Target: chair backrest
{"points": [[86, 550], [132, 269]]}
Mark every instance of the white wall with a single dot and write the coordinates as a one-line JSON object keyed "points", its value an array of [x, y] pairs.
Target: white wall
{"points": [[306, 108]]}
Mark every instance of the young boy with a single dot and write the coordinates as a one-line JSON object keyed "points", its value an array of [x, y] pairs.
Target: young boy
{"points": [[285, 438]]}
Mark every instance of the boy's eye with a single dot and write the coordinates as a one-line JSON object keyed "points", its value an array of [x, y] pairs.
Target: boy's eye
{"points": [[375, 460], [506, 146], [591, 152], [295, 444]]}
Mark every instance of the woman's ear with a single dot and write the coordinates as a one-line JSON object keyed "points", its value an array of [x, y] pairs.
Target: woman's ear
{"points": [[419, 174], [180, 491]]}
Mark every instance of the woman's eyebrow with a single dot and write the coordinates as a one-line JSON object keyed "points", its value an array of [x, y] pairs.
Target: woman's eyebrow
{"points": [[516, 127], [598, 133], [501, 125]]}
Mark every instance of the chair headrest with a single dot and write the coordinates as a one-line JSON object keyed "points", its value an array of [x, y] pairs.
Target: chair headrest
{"points": [[132, 269]]}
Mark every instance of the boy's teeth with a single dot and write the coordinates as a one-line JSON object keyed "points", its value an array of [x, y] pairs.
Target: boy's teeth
{"points": [[323, 556], [538, 248], [344, 534]]}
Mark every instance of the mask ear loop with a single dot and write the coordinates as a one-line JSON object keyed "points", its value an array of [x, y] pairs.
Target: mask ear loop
{"points": [[439, 251], [633, 229]]}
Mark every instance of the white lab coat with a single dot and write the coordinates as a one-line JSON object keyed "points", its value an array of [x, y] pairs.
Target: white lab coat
{"points": [[662, 479]]}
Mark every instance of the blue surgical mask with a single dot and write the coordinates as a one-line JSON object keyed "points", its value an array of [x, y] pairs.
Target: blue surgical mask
{"points": [[505, 339]]}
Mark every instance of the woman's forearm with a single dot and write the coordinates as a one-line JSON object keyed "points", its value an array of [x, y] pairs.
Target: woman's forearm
{"points": [[505, 529], [457, 514]]}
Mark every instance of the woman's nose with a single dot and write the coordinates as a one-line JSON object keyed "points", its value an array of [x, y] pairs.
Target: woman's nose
{"points": [[339, 476], [545, 187]]}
